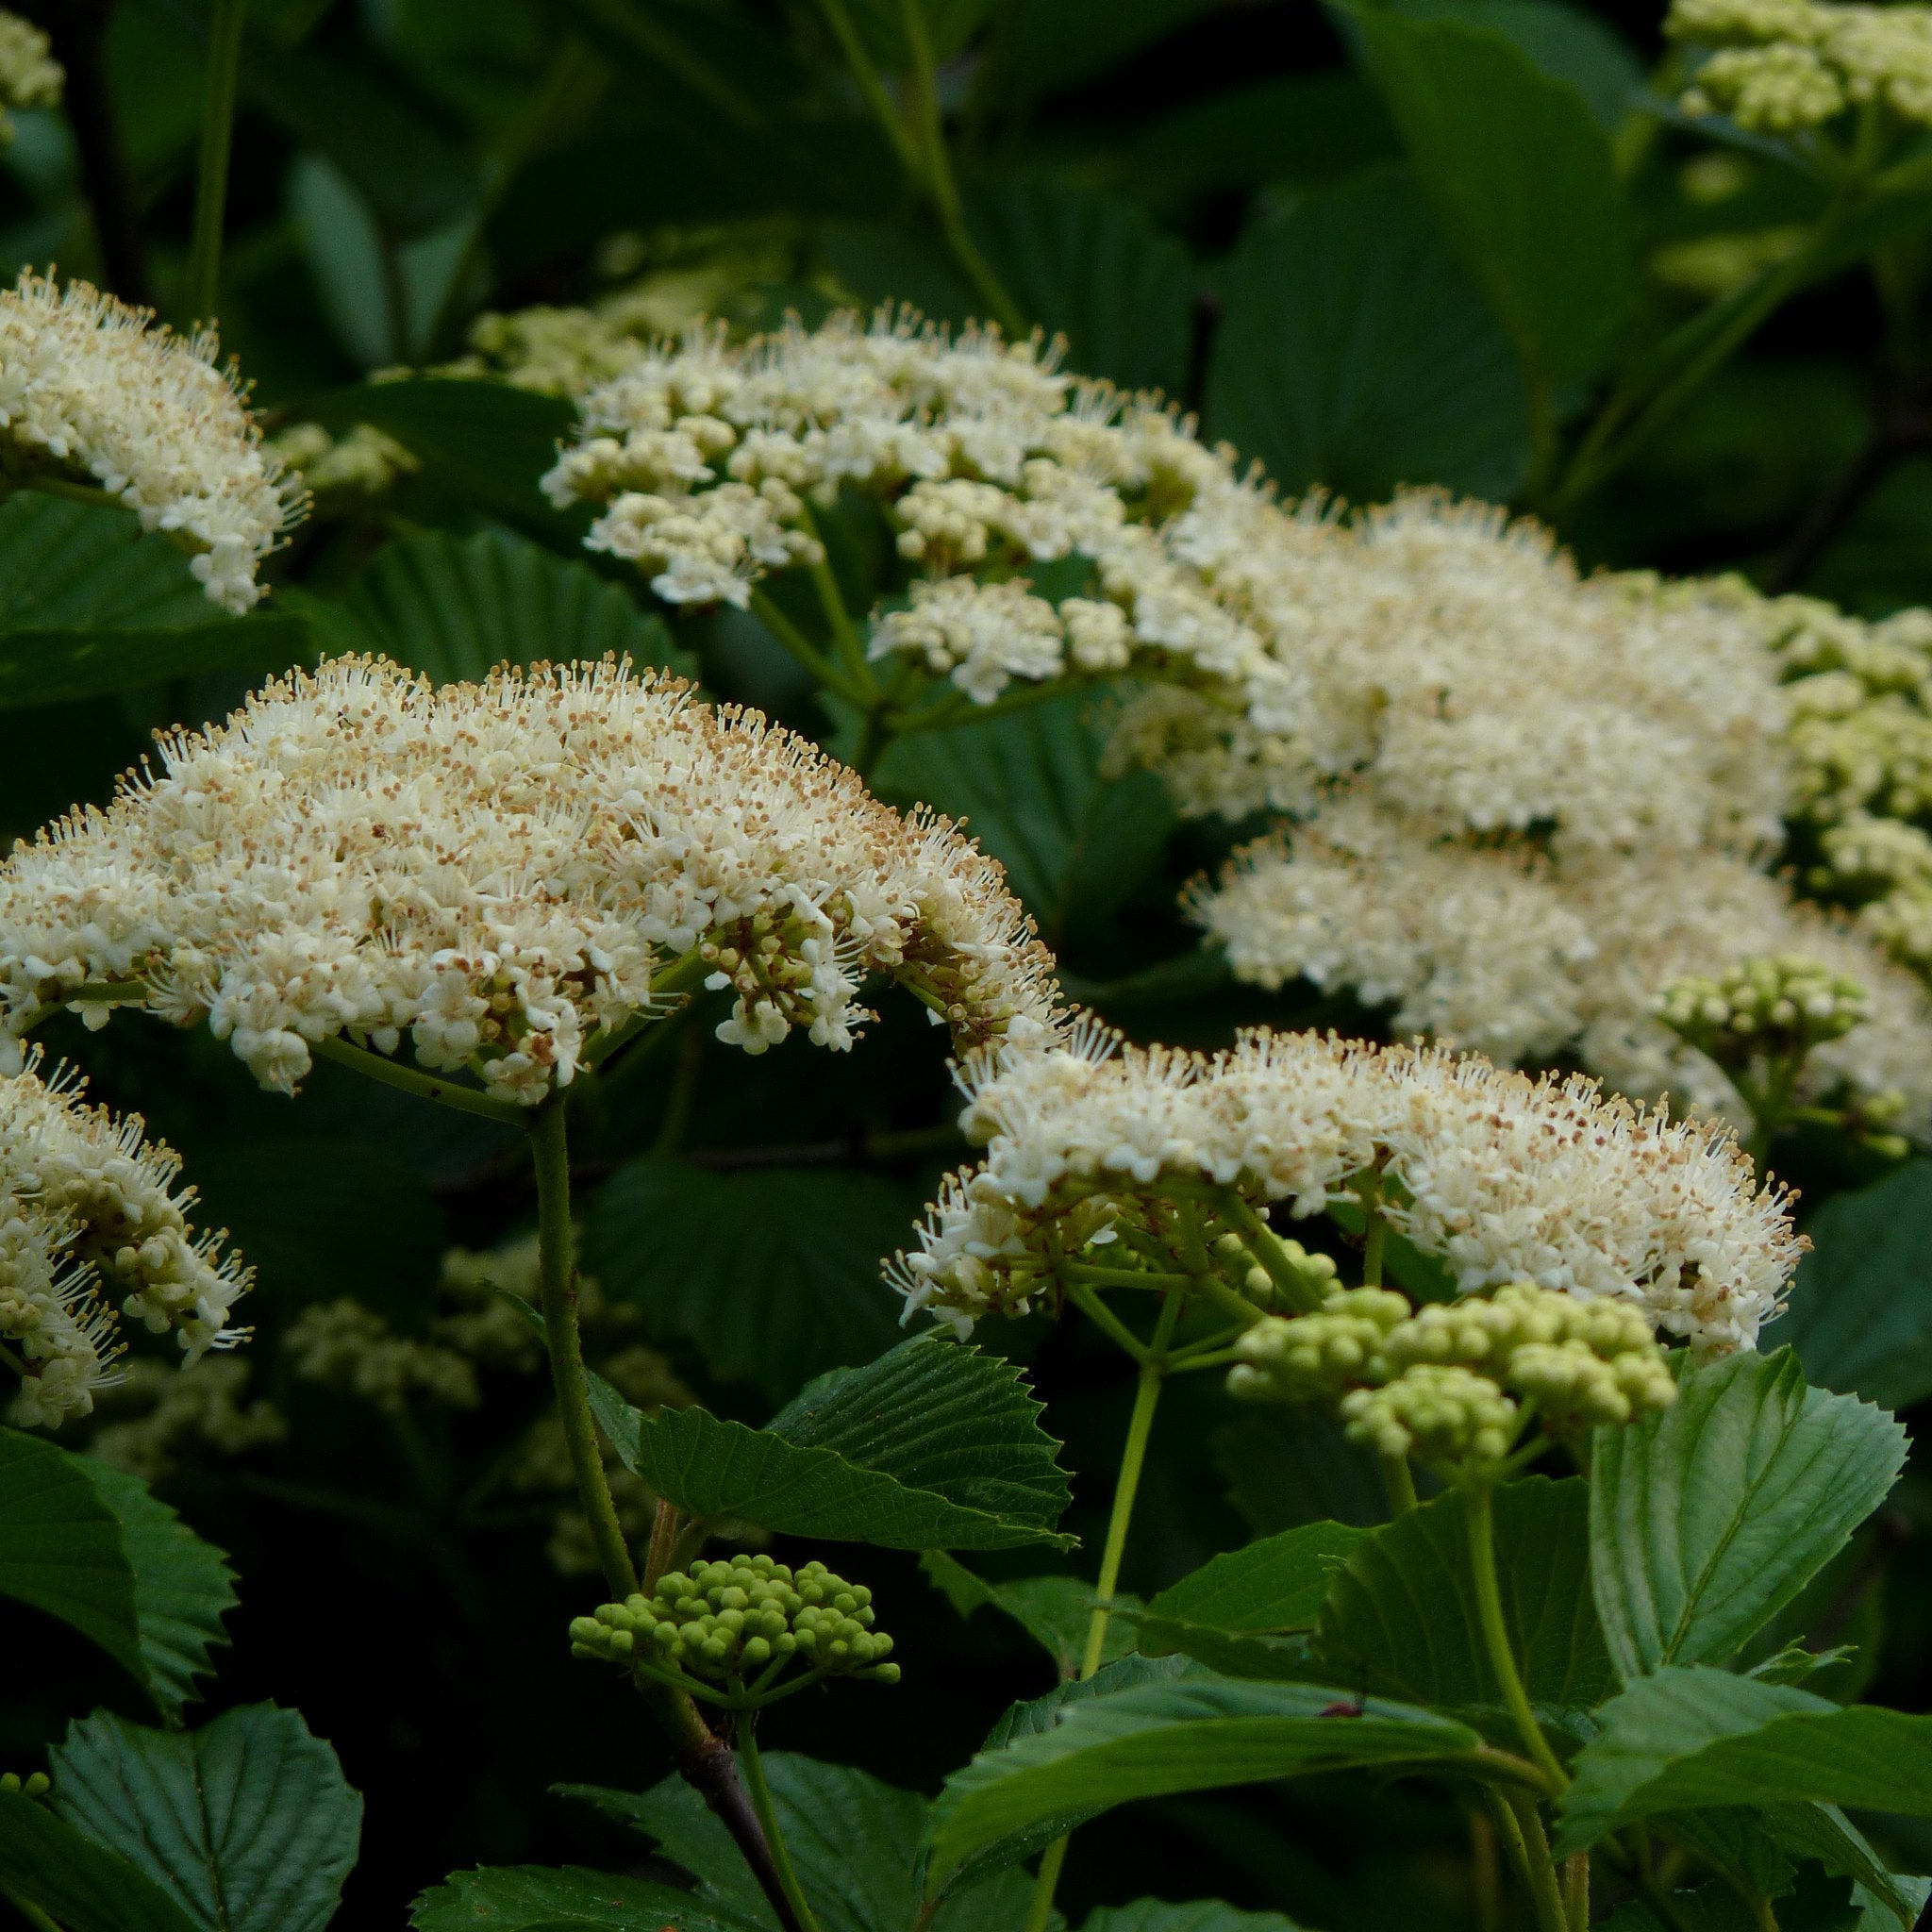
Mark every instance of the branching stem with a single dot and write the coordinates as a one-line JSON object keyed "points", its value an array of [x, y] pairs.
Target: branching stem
{"points": [[768, 1817], [1479, 1510], [424, 1086]]}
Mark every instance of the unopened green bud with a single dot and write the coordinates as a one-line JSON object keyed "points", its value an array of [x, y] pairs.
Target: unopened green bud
{"points": [[1778, 1007]]}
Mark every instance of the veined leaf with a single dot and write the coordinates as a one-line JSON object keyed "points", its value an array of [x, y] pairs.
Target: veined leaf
{"points": [[83, 1886], [1356, 352], [1238, 1613], [1075, 845], [1688, 1738], [82, 566], [248, 1823], [933, 1446], [1191, 1735], [1404, 1604], [774, 1274], [1708, 1517], [1522, 176], [56, 667], [455, 608], [1860, 1316], [562, 1898], [91, 1545], [1054, 1610]]}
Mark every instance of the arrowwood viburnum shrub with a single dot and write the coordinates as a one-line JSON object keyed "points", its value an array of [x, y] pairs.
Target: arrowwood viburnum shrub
{"points": [[506, 876]]}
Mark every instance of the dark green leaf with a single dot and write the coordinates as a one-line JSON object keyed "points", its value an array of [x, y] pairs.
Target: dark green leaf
{"points": [[83, 1886], [88, 1544], [933, 1446], [456, 608], [55, 667], [1048, 47], [1522, 176], [1192, 1735], [1404, 1605], [1683, 1740], [80, 566], [248, 1823], [1710, 1516], [1860, 1314], [1285, 1467], [1194, 1915], [1238, 1611], [1029, 785], [1094, 268], [1054, 1611], [774, 1273], [1356, 352], [544, 1898], [1563, 42], [486, 442], [1036, 1716]]}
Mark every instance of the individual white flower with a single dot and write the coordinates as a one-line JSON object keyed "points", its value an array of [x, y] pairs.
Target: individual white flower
{"points": [[1503, 1177], [501, 874], [88, 1204], [90, 387]]}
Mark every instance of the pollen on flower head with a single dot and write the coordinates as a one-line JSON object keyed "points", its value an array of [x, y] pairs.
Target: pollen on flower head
{"points": [[90, 1215], [90, 387], [500, 875]]}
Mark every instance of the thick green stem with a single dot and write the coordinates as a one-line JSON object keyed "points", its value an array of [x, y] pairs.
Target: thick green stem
{"points": [[550, 1149], [1398, 1484], [1478, 1506], [768, 1817], [1577, 1890], [211, 175], [1046, 1882], [424, 1086], [1545, 1894], [1375, 1228], [1133, 1457]]}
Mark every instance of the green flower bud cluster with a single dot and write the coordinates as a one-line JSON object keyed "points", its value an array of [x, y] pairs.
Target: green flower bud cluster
{"points": [[1438, 1414], [36, 1784], [1574, 1387], [1778, 1007], [1315, 1273], [1313, 1357], [742, 1617]]}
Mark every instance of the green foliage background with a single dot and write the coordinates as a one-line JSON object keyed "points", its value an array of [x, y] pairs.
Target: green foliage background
{"points": [[1411, 242]]}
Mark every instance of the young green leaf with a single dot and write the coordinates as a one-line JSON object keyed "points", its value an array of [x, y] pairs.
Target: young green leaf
{"points": [[1522, 176], [933, 1446], [1239, 1612], [81, 1886], [1354, 351], [1710, 1516], [1688, 1738], [91, 1545], [457, 607], [1191, 1735], [1054, 1610], [774, 1274], [248, 1823], [1075, 845], [1403, 1607], [1861, 1317], [564, 1898]]}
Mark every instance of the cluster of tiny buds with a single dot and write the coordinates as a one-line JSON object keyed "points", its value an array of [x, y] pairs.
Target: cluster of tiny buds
{"points": [[742, 1617], [1444, 1382], [37, 1784], [1777, 1008], [1314, 1272]]}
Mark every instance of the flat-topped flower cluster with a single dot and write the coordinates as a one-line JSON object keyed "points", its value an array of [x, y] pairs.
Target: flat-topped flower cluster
{"points": [[1088, 1147], [88, 1206], [93, 390], [501, 874]]}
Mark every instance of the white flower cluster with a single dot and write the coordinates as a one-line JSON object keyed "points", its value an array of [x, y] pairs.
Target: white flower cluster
{"points": [[500, 872], [29, 75], [362, 462], [92, 388], [1503, 1178], [1784, 67], [986, 635], [88, 1204]]}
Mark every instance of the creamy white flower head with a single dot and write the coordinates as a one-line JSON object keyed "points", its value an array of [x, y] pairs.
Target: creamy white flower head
{"points": [[502, 873], [88, 1204], [1530, 960], [94, 388], [1503, 1177], [29, 75]]}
